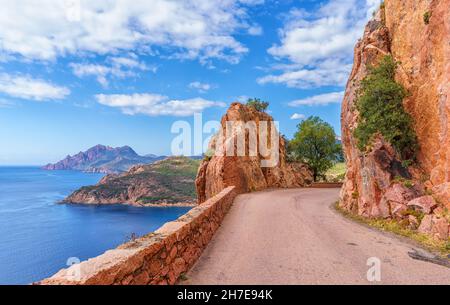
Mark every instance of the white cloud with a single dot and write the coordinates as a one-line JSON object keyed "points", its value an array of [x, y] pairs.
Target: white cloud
{"points": [[118, 67], [327, 73], [156, 104], [29, 88], [255, 30], [201, 87], [319, 100], [298, 116], [194, 29], [319, 47]]}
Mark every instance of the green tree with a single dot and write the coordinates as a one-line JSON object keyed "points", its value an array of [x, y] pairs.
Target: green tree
{"points": [[315, 144], [380, 107], [258, 104]]}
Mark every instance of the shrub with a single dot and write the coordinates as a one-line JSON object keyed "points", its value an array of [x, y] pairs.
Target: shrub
{"points": [[257, 104], [426, 17], [380, 106]]}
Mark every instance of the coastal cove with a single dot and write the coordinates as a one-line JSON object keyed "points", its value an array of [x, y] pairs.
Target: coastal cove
{"points": [[39, 236]]}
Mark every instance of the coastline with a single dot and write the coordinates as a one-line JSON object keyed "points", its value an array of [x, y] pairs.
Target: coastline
{"points": [[136, 205]]}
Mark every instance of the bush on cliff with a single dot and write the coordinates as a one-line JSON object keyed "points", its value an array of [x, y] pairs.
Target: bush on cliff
{"points": [[257, 104], [380, 106], [315, 144]]}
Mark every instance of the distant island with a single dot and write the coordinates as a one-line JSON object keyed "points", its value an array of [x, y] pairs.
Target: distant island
{"points": [[169, 182], [104, 159]]}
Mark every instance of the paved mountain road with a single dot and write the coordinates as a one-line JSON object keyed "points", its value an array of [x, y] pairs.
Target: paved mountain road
{"points": [[295, 237]]}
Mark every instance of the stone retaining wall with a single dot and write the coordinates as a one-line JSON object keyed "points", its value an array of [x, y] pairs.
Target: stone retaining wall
{"points": [[157, 259]]}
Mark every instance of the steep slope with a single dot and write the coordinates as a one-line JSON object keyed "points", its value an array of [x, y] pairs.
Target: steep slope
{"points": [[167, 182], [245, 172], [103, 159], [377, 183]]}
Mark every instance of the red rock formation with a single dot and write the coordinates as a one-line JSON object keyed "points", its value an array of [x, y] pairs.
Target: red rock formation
{"points": [[245, 172], [372, 187]]}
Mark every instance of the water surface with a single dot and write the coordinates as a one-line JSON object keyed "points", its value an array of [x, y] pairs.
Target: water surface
{"points": [[38, 235]]}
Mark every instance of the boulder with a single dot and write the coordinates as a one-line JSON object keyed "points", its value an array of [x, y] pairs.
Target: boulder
{"points": [[248, 172], [425, 204], [426, 225]]}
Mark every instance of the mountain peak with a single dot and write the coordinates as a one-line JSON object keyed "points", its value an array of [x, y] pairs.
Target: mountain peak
{"points": [[101, 158]]}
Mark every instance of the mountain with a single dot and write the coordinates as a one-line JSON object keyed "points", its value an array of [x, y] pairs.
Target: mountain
{"points": [[166, 182], [103, 159], [379, 183]]}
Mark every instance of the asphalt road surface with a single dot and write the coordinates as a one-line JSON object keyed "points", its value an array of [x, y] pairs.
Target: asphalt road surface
{"points": [[296, 237]]}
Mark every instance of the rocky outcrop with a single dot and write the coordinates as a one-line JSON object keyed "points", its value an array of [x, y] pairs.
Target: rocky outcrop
{"points": [[166, 182], [377, 184], [103, 159], [246, 172]]}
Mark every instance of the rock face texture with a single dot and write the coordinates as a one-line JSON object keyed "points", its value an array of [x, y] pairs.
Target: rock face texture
{"points": [[245, 172], [167, 182], [377, 185]]}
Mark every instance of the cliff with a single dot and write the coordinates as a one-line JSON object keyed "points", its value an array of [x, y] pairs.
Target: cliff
{"points": [[246, 172], [166, 182], [416, 33], [103, 159]]}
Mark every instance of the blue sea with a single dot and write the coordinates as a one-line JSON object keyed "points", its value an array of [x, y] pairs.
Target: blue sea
{"points": [[38, 236]]}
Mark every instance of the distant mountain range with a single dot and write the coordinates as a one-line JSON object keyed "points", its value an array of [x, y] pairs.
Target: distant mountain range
{"points": [[104, 159]]}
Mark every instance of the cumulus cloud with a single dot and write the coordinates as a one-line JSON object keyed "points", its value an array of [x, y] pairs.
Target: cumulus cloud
{"points": [[298, 116], [319, 100], [29, 88], [194, 29], [156, 104], [318, 48], [117, 67], [201, 87]]}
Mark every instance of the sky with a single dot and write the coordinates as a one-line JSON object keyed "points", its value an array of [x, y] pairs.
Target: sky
{"points": [[76, 73]]}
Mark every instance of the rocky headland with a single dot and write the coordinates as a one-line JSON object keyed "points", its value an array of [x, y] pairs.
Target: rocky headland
{"points": [[170, 182]]}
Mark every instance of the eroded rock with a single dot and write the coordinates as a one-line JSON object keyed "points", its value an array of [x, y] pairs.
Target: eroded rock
{"points": [[246, 173]]}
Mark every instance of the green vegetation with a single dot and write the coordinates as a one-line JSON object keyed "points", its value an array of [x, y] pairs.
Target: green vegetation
{"points": [[380, 106], [426, 18], [257, 104], [336, 173], [168, 181], [406, 182], [178, 166], [401, 229], [315, 144]]}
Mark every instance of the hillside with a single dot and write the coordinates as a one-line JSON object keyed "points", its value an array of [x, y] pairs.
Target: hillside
{"points": [[166, 182], [103, 159]]}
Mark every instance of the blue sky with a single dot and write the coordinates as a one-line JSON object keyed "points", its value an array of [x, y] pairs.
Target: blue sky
{"points": [[74, 73]]}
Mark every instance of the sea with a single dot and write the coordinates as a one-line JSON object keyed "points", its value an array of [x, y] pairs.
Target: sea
{"points": [[39, 236]]}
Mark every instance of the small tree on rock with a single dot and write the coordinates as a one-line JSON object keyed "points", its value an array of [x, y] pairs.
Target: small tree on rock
{"points": [[257, 104]]}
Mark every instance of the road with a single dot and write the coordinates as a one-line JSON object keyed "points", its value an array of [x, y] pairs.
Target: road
{"points": [[296, 237]]}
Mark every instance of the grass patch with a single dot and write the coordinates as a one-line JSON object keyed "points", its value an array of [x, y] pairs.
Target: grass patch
{"points": [[336, 173], [443, 247], [426, 18]]}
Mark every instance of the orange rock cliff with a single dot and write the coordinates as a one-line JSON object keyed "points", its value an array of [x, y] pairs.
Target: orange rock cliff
{"points": [[245, 172], [417, 35]]}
